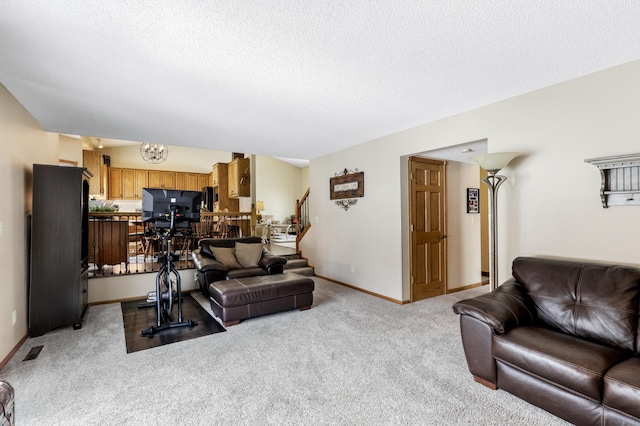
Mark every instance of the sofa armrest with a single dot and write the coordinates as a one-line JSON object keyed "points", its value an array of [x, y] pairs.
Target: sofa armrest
{"points": [[204, 263], [506, 307], [269, 260]]}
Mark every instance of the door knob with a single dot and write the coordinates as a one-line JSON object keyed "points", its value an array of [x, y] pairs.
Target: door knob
{"points": [[442, 236]]}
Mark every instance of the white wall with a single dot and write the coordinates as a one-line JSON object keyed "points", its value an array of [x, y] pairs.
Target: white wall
{"points": [[549, 206], [23, 143]]}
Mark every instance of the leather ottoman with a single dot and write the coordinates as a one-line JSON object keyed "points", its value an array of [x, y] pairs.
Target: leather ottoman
{"points": [[237, 299]]}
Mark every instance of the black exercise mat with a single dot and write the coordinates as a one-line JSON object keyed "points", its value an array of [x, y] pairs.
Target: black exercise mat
{"points": [[137, 319]]}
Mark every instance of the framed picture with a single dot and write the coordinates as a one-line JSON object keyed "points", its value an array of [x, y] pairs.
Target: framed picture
{"points": [[473, 200], [347, 186]]}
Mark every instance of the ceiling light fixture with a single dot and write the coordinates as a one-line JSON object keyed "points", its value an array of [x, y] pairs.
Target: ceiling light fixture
{"points": [[100, 144], [153, 152]]}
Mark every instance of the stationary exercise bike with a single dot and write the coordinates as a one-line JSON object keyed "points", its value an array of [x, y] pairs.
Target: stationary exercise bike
{"points": [[168, 286]]}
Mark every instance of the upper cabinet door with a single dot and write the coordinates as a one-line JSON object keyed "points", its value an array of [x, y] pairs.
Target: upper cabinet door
{"points": [[239, 178]]}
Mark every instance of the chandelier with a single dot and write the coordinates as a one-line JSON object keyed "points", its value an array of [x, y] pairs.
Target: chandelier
{"points": [[153, 152]]}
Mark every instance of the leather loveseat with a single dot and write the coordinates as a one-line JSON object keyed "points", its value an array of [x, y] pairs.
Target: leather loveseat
{"points": [[250, 257], [562, 335]]}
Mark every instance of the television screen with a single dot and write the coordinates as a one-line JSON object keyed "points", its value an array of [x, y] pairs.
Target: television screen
{"points": [[157, 205]]}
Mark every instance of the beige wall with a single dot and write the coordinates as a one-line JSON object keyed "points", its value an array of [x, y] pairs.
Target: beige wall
{"points": [[278, 184], [180, 159], [463, 229], [23, 143], [549, 206]]}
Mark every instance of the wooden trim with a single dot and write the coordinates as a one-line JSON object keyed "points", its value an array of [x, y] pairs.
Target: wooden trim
{"points": [[399, 302], [13, 352], [466, 287]]}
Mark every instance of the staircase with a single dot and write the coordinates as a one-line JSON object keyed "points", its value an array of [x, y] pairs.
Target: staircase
{"points": [[297, 265]]}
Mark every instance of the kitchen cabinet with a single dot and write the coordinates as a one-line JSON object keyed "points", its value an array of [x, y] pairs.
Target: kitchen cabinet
{"points": [[221, 190], [127, 184], [187, 181], [133, 180], [162, 179], [203, 180], [92, 161], [239, 178], [142, 181], [115, 183], [215, 173], [192, 182]]}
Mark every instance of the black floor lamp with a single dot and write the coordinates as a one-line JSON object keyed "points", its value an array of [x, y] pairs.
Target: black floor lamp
{"points": [[493, 163]]}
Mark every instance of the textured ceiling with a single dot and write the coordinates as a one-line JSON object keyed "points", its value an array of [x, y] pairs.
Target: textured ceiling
{"points": [[295, 79]]}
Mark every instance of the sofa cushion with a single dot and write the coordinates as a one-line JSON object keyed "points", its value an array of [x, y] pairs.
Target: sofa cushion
{"points": [[622, 387], [591, 301], [226, 256], [570, 362], [245, 272], [248, 255], [249, 290]]}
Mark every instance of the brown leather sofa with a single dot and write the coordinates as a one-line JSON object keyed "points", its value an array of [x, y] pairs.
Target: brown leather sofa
{"points": [[562, 335], [209, 269]]}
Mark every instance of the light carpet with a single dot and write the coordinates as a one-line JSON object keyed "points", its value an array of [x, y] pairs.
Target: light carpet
{"points": [[351, 359]]}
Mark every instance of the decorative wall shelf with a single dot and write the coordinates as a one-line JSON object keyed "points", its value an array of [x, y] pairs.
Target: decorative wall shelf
{"points": [[620, 179]]}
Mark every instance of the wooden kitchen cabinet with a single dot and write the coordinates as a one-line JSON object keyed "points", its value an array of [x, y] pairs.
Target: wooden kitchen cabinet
{"points": [[187, 181], [221, 190], [92, 161], [203, 180], [192, 182], [133, 180], [215, 173], [162, 179], [127, 184], [115, 183], [239, 178]]}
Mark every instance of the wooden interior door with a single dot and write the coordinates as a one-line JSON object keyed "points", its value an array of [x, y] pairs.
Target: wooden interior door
{"points": [[428, 228]]}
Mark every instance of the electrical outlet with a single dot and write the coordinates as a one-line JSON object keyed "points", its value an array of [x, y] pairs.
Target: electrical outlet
{"points": [[14, 318], [353, 269]]}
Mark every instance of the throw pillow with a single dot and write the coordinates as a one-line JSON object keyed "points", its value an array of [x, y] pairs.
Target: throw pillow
{"points": [[226, 256], [248, 255]]}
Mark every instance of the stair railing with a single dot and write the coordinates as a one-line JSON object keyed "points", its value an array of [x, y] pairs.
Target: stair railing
{"points": [[302, 215]]}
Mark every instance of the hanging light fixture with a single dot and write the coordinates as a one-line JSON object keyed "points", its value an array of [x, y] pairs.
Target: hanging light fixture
{"points": [[153, 152]]}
